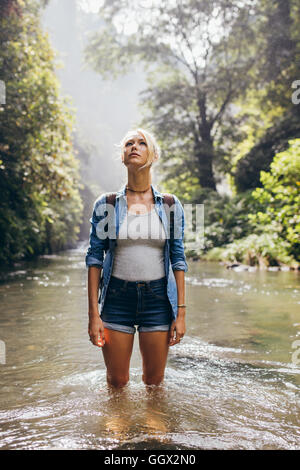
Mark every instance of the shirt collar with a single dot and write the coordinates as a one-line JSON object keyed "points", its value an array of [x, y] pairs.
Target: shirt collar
{"points": [[156, 193]]}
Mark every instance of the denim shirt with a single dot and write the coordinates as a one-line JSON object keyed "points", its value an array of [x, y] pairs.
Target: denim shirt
{"points": [[174, 257]]}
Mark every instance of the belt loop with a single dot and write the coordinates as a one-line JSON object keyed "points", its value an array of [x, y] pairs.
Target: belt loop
{"points": [[124, 287]]}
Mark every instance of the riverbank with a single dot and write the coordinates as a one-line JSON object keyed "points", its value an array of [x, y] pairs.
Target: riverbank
{"points": [[238, 266], [247, 258]]}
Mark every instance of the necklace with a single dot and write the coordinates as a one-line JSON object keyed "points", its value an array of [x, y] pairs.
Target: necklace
{"points": [[135, 191]]}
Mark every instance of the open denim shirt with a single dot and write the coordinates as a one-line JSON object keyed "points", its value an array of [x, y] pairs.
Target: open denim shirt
{"points": [[174, 256]]}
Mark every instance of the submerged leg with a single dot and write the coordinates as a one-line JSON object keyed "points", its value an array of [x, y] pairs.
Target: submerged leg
{"points": [[154, 348]]}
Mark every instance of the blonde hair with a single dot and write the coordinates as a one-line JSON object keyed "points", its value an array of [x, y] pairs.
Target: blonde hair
{"points": [[152, 145]]}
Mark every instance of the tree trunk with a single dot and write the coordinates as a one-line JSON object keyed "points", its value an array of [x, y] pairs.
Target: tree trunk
{"points": [[204, 153], [205, 170], [204, 150]]}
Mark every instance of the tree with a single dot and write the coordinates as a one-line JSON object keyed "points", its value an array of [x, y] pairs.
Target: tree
{"points": [[276, 117], [273, 228], [274, 139], [40, 207], [7, 7], [279, 198], [197, 56]]}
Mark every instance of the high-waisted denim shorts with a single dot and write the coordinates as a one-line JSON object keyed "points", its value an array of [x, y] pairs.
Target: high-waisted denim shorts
{"points": [[142, 303]]}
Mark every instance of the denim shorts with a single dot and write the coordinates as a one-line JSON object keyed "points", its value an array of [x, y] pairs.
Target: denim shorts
{"points": [[142, 303]]}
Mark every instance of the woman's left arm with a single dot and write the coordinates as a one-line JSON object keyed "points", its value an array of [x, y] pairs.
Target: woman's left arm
{"points": [[177, 330], [179, 266]]}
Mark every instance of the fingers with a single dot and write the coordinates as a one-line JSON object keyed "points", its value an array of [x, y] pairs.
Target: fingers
{"points": [[171, 335], [175, 340], [101, 338], [98, 339], [175, 336]]}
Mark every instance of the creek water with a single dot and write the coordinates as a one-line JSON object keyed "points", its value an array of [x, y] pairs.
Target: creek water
{"points": [[232, 383]]}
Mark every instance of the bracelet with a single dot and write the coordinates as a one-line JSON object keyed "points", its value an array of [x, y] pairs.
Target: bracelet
{"points": [[182, 305]]}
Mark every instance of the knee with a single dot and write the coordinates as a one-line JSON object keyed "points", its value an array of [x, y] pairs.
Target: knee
{"points": [[117, 381], [153, 380]]}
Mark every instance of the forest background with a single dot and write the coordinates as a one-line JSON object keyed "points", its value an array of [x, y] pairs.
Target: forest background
{"points": [[220, 90]]}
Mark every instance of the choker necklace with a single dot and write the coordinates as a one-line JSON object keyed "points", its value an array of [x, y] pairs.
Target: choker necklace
{"points": [[135, 191]]}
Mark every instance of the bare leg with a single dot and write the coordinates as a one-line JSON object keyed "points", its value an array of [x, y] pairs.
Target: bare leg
{"points": [[117, 353], [154, 348]]}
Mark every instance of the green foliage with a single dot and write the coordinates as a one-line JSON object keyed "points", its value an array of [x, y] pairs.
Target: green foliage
{"points": [[280, 199], [226, 219], [216, 99], [263, 250], [185, 186], [273, 224], [260, 155], [269, 119], [195, 72], [40, 207]]}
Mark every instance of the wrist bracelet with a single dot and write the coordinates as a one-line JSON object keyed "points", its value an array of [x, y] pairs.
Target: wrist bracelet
{"points": [[182, 305]]}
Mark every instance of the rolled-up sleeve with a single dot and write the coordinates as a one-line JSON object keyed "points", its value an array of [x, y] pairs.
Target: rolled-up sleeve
{"points": [[95, 251], [177, 256]]}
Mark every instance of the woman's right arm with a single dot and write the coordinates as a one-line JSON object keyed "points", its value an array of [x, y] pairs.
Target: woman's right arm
{"points": [[96, 328], [94, 275], [94, 263]]}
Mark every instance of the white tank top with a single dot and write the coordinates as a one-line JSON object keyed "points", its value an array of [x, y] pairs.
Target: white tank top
{"points": [[139, 254]]}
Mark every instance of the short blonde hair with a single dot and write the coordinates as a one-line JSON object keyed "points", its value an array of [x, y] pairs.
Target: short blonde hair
{"points": [[152, 145]]}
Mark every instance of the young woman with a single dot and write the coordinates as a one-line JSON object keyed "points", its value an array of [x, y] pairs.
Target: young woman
{"points": [[143, 269]]}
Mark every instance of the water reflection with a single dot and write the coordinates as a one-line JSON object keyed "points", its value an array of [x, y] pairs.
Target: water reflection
{"points": [[230, 384], [129, 413]]}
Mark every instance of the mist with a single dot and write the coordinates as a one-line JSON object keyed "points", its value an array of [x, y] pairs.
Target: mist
{"points": [[105, 110]]}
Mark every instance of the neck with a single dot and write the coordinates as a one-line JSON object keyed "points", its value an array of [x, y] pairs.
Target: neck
{"points": [[139, 182]]}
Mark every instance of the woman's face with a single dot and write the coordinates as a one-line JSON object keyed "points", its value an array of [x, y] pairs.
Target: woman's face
{"points": [[135, 151]]}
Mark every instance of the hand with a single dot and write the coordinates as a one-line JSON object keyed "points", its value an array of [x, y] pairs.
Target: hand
{"points": [[96, 331], [177, 331]]}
